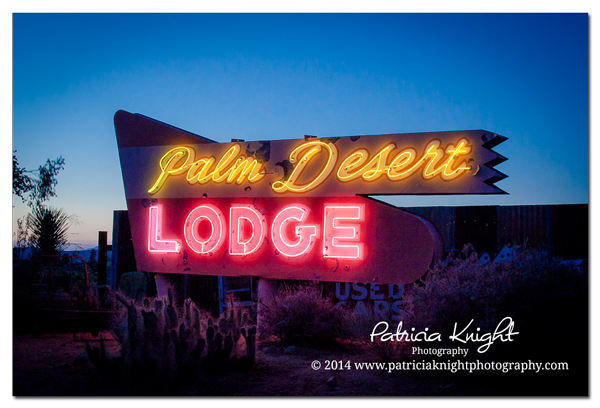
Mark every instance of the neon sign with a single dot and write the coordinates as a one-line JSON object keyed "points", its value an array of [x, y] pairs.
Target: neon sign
{"points": [[155, 243], [448, 163], [338, 233], [305, 234], [403, 165], [290, 184], [180, 160], [186, 166], [247, 229], [217, 227], [293, 209]]}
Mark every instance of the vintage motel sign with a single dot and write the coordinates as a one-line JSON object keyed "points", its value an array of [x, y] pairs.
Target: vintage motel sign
{"points": [[292, 209]]}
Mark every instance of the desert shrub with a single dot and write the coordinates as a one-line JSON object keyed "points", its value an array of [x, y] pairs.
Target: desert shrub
{"points": [[545, 298], [163, 347], [133, 284], [300, 315]]}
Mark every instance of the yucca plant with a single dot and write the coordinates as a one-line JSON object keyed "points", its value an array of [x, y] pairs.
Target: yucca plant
{"points": [[48, 236]]}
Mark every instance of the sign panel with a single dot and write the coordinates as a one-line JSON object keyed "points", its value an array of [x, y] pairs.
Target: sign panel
{"points": [[417, 163], [292, 209], [343, 239]]}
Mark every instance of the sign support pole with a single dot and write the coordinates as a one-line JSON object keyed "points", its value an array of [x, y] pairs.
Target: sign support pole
{"points": [[267, 289], [162, 284]]}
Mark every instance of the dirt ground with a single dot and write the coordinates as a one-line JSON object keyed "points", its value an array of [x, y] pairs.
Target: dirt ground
{"points": [[57, 365]]}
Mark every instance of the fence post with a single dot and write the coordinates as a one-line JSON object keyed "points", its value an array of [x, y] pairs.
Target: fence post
{"points": [[102, 247]]}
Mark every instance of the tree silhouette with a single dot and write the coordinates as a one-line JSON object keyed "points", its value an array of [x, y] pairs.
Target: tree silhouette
{"points": [[35, 187]]}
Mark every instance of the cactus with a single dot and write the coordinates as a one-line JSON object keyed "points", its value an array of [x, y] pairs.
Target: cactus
{"points": [[158, 305], [187, 312], [236, 334], [230, 317], [151, 327], [196, 353], [218, 342], [171, 357], [227, 347], [163, 347], [182, 345], [98, 358], [223, 325], [250, 338], [210, 340], [170, 312], [195, 326]]}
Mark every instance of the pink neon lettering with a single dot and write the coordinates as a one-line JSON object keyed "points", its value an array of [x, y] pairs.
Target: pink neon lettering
{"points": [[155, 243], [204, 231], [191, 229], [305, 234], [336, 234], [242, 241]]}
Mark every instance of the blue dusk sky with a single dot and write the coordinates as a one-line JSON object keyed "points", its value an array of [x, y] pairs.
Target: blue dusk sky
{"points": [[273, 76]]}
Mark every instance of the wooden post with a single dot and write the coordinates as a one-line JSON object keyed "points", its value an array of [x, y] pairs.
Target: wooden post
{"points": [[102, 247], [266, 291], [162, 284], [123, 257]]}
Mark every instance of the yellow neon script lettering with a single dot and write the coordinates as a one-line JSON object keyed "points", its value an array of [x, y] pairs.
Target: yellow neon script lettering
{"points": [[379, 161], [353, 161], [168, 165], [370, 171], [402, 159], [311, 149], [403, 165], [244, 168], [463, 143], [436, 153], [224, 162], [230, 168], [198, 172]]}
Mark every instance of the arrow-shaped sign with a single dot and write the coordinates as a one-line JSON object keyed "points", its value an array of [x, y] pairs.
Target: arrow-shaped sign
{"points": [[181, 165], [293, 209]]}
